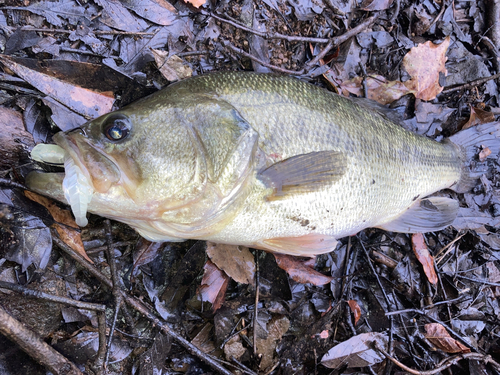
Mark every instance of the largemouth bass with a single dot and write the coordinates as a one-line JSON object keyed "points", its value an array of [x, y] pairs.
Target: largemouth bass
{"points": [[265, 161]]}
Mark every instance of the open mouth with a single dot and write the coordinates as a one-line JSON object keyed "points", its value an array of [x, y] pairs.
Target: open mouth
{"points": [[77, 187]]}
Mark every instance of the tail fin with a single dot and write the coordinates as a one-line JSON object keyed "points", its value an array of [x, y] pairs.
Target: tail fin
{"points": [[472, 141]]}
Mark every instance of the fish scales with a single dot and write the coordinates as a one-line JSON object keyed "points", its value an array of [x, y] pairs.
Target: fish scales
{"points": [[266, 161]]}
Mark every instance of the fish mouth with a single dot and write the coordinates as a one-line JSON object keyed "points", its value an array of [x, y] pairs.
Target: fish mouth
{"points": [[87, 171]]}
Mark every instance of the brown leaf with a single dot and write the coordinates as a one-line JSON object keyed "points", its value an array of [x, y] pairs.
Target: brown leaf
{"points": [[379, 88], [441, 339], [68, 231], [88, 103], [424, 63], [172, 68], [424, 257], [236, 261], [356, 310], [371, 5], [485, 152], [213, 285], [478, 116], [196, 3], [299, 272]]}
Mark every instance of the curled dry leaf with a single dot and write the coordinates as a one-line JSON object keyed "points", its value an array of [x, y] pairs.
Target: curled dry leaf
{"points": [[379, 88], [213, 285], [236, 261], [65, 224], [356, 352], [478, 116], [299, 271], [424, 63], [356, 310], [441, 339], [424, 257]]}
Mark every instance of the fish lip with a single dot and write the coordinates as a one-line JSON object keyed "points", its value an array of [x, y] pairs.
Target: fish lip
{"points": [[70, 145]]}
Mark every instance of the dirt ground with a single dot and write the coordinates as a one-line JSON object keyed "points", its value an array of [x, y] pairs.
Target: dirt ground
{"points": [[381, 303]]}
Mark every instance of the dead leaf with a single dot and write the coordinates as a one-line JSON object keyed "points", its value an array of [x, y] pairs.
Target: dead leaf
{"points": [[236, 261], [439, 337], [485, 152], [379, 88], [424, 257], [196, 3], [88, 103], [203, 340], [356, 310], [266, 346], [299, 271], [356, 352], [213, 285], [371, 5], [172, 68], [478, 116], [65, 224], [145, 252], [424, 63]]}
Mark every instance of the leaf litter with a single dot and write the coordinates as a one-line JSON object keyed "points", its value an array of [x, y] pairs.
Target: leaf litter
{"points": [[406, 62]]}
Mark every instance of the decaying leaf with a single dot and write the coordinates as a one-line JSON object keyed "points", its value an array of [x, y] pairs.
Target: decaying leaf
{"points": [[145, 252], [88, 103], [379, 88], [204, 339], [356, 310], [358, 351], [424, 63], [299, 271], [213, 285], [64, 223], [172, 68], [478, 116], [236, 261], [196, 3], [439, 336], [424, 257], [484, 153], [266, 346], [371, 5], [160, 12]]}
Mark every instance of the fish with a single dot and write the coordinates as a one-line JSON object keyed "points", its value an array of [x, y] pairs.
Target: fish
{"points": [[260, 160]]}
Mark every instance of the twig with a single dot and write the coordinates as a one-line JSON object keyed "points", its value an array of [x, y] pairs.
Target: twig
{"points": [[342, 38], [63, 31], [444, 364], [5, 182], [30, 293], [469, 85], [261, 62], [33, 345], [142, 309], [256, 308]]}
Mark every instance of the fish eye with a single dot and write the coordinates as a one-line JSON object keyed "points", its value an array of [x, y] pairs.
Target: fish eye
{"points": [[116, 128]]}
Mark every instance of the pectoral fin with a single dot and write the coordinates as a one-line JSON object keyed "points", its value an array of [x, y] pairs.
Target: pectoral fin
{"points": [[306, 246], [426, 215], [304, 173]]}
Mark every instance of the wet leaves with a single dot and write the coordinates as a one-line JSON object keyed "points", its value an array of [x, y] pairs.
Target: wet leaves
{"points": [[213, 285], [172, 68], [437, 334], [358, 351]]}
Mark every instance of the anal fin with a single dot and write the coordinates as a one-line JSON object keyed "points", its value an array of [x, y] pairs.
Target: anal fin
{"points": [[308, 245], [425, 215]]}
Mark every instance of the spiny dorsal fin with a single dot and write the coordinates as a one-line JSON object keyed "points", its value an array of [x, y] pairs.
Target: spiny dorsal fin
{"points": [[304, 173]]}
